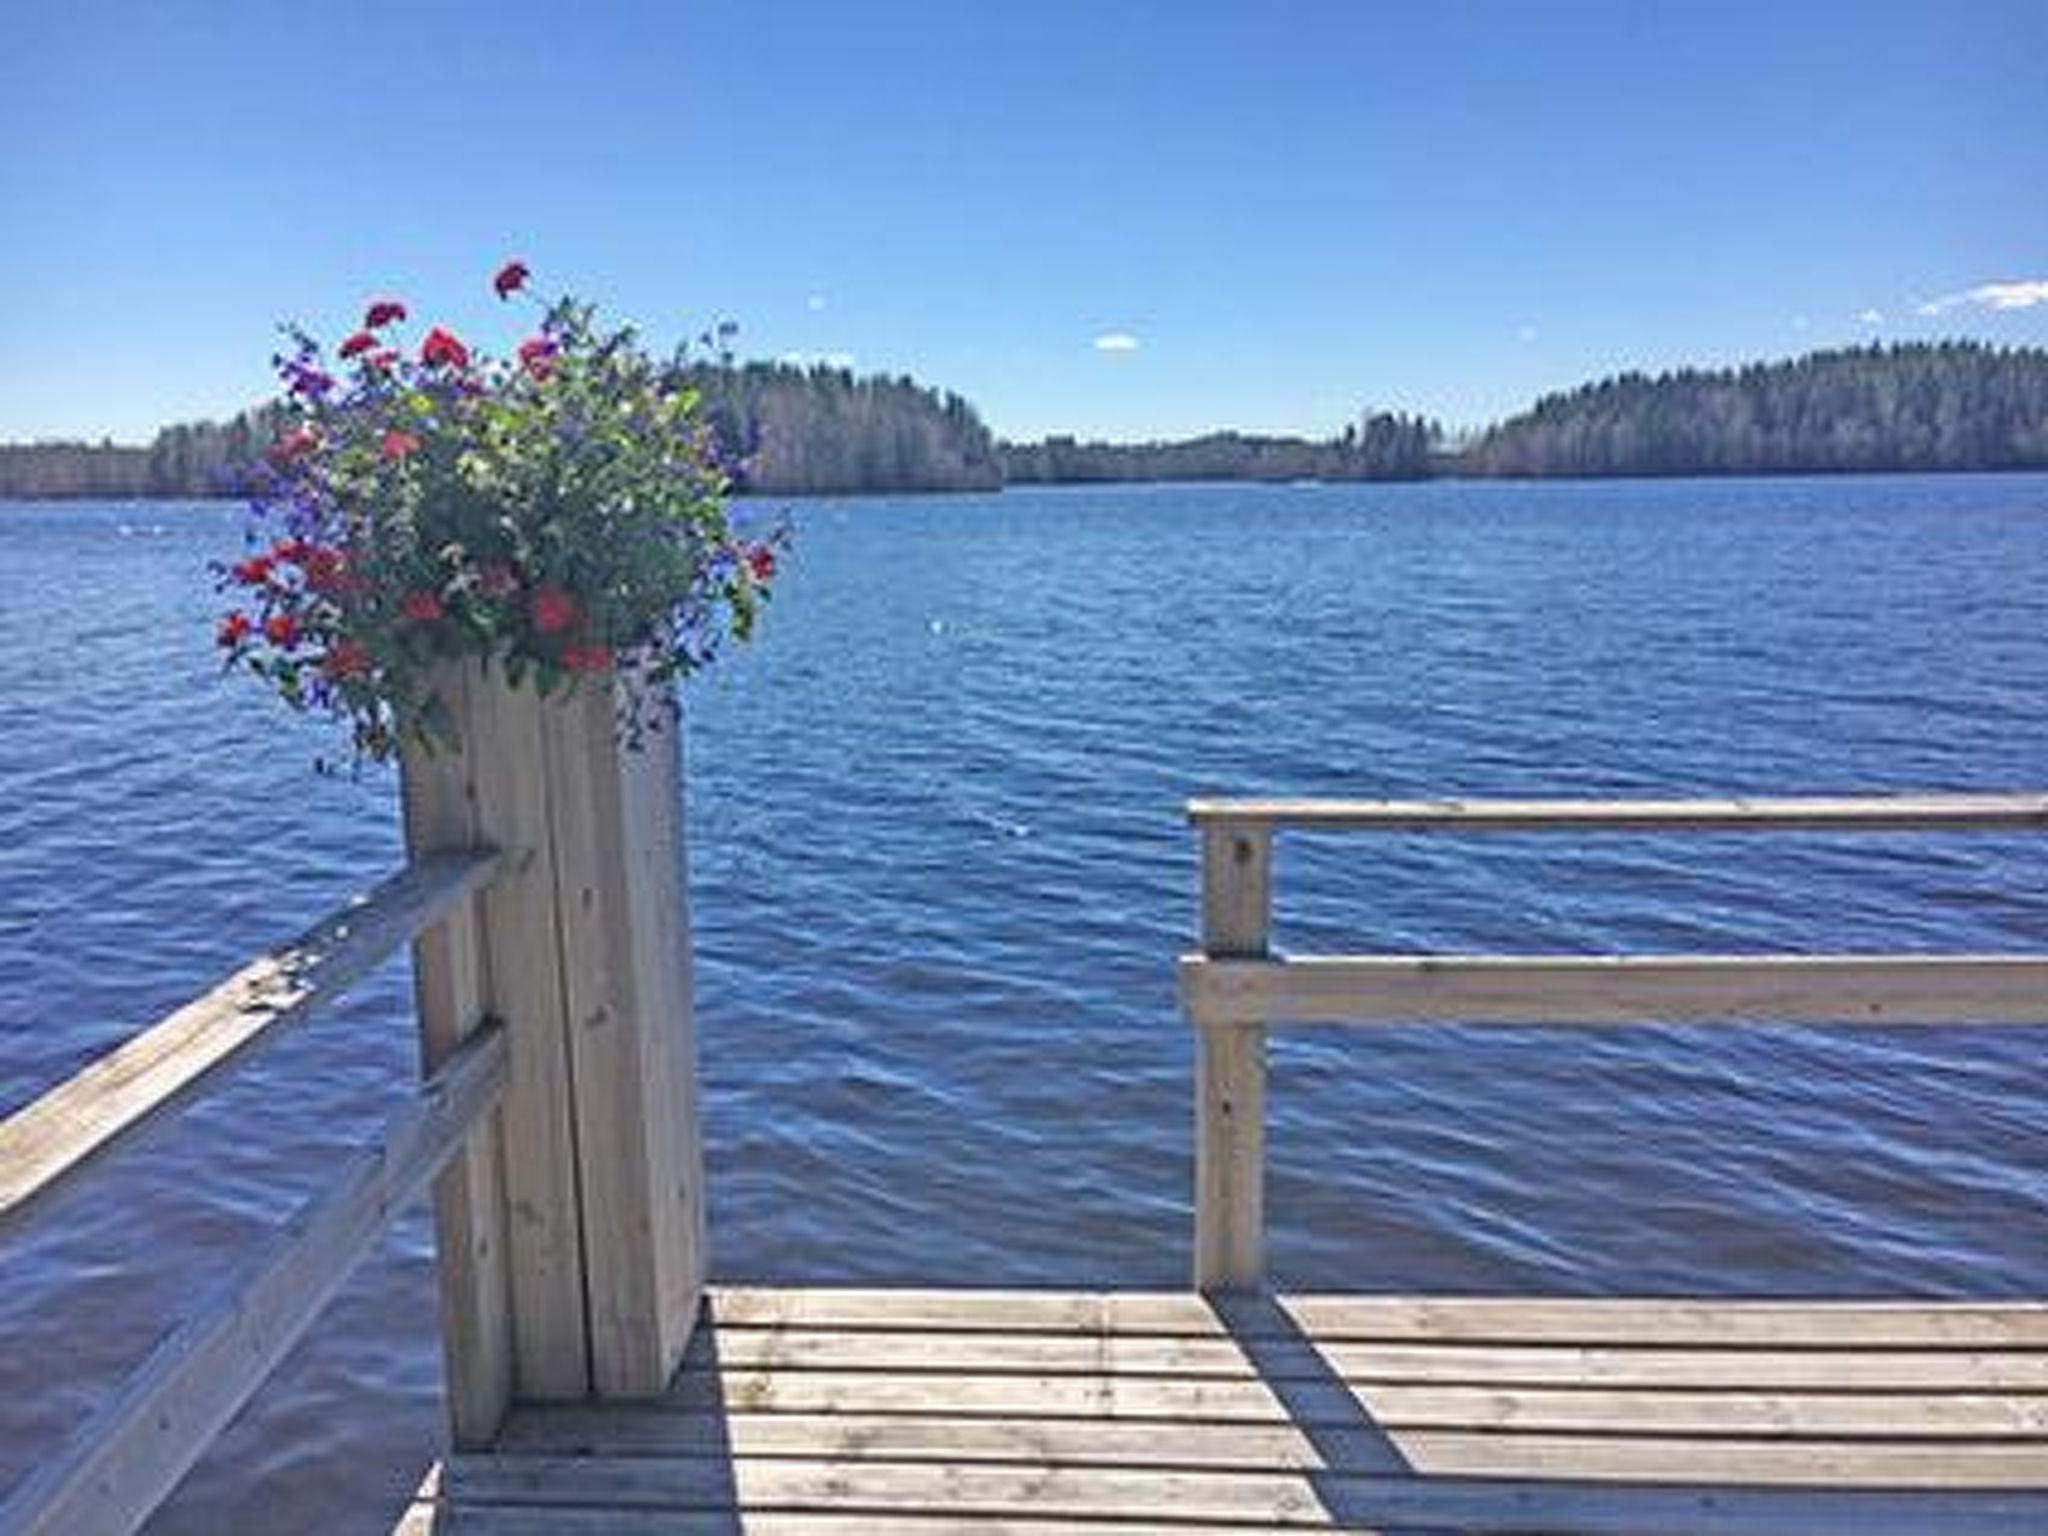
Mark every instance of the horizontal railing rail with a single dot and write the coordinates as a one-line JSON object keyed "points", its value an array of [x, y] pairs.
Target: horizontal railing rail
{"points": [[123, 1460], [128, 1455], [1872, 813], [1619, 989], [133, 1084], [1234, 988]]}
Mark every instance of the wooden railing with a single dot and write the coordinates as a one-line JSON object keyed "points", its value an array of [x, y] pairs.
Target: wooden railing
{"points": [[125, 1458], [1235, 987], [558, 1122]]}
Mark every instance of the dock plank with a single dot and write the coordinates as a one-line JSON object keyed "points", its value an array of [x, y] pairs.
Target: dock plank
{"points": [[1554, 1364], [1815, 1324], [916, 1413]]}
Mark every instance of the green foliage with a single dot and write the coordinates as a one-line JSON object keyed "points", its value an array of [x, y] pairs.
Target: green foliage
{"points": [[1383, 446], [797, 431], [1945, 406]]}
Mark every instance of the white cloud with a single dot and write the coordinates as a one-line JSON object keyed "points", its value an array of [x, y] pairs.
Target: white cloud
{"points": [[2024, 293], [1870, 316], [815, 303], [1116, 341]]}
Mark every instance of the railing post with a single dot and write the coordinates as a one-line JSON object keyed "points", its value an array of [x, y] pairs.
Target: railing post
{"points": [[585, 955], [1230, 1069], [450, 988]]}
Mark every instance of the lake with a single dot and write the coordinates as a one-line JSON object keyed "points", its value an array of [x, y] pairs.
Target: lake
{"points": [[941, 874]]}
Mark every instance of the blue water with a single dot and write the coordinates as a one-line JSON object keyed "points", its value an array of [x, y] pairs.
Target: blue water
{"points": [[941, 874]]}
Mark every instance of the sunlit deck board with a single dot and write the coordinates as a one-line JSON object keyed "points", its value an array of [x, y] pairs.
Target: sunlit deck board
{"points": [[915, 1413]]}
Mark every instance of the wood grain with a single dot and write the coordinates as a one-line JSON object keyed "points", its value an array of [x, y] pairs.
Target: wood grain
{"points": [[60, 1132]]}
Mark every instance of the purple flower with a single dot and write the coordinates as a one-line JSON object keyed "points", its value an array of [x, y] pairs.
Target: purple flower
{"points": [[307, 381]]}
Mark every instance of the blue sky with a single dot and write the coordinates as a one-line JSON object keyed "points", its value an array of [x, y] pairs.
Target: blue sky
{"points": [[1286, 211]]}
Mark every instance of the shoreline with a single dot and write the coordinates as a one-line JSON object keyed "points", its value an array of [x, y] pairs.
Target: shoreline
{"points": [[99, 499]]}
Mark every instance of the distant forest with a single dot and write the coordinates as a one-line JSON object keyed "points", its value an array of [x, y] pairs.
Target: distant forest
{"points": [[1950, 405], [784, 430], [793, 431], [1384, 446], [191, 460]]}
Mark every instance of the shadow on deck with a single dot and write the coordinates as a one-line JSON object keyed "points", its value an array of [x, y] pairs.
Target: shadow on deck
{"points": [[913, 1413]]}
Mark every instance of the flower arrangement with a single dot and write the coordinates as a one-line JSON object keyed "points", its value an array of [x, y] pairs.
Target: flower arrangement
{"points": [[560, 514]]}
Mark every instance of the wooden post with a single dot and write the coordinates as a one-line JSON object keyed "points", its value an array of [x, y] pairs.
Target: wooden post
{"points": [[614, 816], [585, 954], [450, 987], [1230, 1070]]}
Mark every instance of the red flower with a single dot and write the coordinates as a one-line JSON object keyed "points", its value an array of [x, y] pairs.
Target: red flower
{"points": [[537, 356], [383, 360], [382, 313], [327, 572], [510, 279], [587, 658], [346, 658], [398, 445], [761, 562], [499, 579], [295, 444], [281, 630], [442, 349], [234, 629], [553, 610], [291, 551], [254, 571], [362, 341], [421, 607]]}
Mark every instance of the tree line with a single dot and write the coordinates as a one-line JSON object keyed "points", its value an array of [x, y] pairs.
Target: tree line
{"points": [[780, 429], [1382, 446], [786, 430], [1913, 406], [790, 430], [193, 459]]}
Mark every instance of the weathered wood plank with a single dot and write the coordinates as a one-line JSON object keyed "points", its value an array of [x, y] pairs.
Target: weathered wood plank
{"points": [[1633, 1512], [1485, 1506], [1865, 813], [450, 987], [123, 1460], [1236, 1400], [1495, 1319], [795, 1484], [61, 1131], [614, 827], [551, 1347], [1619, 989], [432, 1519], [1032, 1430], [1722, 1323], [1170, 1493], [1230, 1073], [1038, 1354]]}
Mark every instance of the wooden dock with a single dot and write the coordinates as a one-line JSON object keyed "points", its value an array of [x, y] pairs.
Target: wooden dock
{"points": [[915, 1413], [596, 1387]]}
